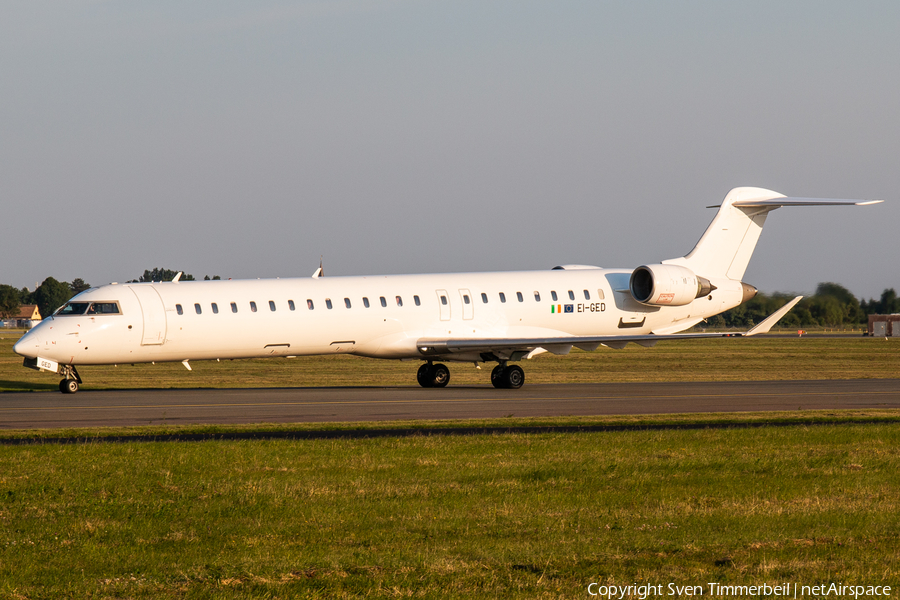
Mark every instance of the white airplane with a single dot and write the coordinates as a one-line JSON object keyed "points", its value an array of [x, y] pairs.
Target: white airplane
{"points": [[456, 317]]}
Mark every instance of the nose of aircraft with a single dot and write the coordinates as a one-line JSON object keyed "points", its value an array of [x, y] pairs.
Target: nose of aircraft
{"points": [[27, 345]]}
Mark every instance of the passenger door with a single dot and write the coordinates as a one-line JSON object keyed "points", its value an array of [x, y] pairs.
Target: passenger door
{"points": [[468, 305], [154, 314]]}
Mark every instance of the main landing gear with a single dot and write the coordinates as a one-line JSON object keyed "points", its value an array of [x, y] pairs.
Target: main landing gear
{"points": [[430, 375], [510, 377], [72, 380]]}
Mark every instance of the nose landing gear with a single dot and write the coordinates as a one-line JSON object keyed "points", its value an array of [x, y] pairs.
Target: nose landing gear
{"points": [[72, 380]]}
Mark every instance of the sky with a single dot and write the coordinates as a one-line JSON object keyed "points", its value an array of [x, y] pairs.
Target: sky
{"points": [[248, 140]]}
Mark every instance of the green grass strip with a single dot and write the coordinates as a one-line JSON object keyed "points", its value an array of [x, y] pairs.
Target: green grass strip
{"points": [[540, 515]]}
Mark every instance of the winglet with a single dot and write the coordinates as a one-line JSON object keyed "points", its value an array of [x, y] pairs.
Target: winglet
{"points": [[767, 323]]}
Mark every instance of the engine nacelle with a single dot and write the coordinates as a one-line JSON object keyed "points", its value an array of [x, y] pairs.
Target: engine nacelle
{"points": [[667, 285]]}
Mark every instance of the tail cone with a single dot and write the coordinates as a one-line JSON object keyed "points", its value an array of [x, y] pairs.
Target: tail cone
{"points": [[748, 292]]}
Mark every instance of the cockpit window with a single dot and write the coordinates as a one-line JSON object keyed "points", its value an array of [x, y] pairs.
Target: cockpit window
{"points": [[73, 308], [104, 308], [89, 308]]}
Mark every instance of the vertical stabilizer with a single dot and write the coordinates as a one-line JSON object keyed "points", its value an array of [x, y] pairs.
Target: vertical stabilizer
{"points": [[726, 246]]}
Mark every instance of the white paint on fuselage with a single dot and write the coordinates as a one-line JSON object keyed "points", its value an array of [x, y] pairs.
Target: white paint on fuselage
{"points": [[381, 332]]}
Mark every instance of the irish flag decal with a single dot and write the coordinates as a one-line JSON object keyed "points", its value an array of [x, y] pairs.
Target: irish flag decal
{"points": [[560, 308]]}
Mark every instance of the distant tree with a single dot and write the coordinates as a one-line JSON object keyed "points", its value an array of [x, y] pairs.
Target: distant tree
{"points": [[849, 305], [832, 305], [164, 275], [9, 301], [214, 278], [888, 304], [50, 295], [78, 285]]}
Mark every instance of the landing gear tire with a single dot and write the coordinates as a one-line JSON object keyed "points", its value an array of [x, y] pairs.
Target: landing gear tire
{"points": [[440, 376], [68, 386], [497, 377], [513, 377], [423, 377], [430, 376]]}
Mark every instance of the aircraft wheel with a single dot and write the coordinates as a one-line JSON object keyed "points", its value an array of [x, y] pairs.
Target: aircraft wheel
{"points": [[423, 376], [68, 386], [513, 377], [497, 377], [440, 376]]}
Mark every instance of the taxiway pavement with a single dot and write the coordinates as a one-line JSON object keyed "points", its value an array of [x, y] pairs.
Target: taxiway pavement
{"points": [[90, 408]]}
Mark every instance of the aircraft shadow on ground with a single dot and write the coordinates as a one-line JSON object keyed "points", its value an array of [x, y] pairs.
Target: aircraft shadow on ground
{"points": [[27, 386]]}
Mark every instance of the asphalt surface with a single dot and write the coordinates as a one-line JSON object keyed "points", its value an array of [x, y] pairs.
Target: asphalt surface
{"points": [[342, 404]]}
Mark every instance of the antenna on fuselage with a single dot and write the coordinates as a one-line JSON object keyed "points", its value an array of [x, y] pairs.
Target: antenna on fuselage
{"points": [[320, 272], [177, 276]]}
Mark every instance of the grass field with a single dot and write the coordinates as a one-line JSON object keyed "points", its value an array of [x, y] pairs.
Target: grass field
{"points": [[465, 516], [511, 516], [760, 358]]}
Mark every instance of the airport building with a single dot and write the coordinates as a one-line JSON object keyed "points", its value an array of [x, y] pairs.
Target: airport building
{"points": [[884, 325], [28, 317]]}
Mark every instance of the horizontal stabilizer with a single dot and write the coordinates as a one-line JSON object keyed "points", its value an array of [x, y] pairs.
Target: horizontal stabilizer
{"points": [[779, 202]]}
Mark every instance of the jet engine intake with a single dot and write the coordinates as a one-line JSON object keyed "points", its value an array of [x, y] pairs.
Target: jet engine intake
{"points": [[667, 285]]}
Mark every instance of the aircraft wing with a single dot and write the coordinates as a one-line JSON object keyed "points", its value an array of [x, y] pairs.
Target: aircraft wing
{"points": [[563, 344]]}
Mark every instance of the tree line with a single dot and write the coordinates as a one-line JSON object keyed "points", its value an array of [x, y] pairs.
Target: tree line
{"points": [[51, 294], [832, 305]]}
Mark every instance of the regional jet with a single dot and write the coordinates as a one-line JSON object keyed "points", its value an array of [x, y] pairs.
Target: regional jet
{"points": [[498, 318]]}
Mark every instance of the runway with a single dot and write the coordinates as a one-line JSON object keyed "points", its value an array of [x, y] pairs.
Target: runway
{"points": [[343, 404]]}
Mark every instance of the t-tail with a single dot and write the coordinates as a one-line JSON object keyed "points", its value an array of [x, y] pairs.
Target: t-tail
{"points": [[726, 246], [723, 252]]}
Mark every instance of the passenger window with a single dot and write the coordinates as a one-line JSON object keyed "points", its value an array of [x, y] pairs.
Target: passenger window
{"points": [[272, 305], [600, 294], [571, 295], [483, 298], [417, 301], [502, 297], [399, 301], [383, 301], [328, 303], [444, 300], [347, 302], [365, 302], [197, 309], [466, 298], [553, 296], [309, 304], [252, 306], [587, 295], [234, 307], [178, 309], [291, 305], [537, 296], [519, 296], [215, 308]]}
